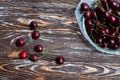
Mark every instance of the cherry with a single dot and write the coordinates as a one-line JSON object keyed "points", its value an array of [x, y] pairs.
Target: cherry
{"points": [[102, 20], [23, 54], [87, 14], [118, 6], [101, 31], [117, 13], [100, 10], [34, 57], [107, 31], [33, 25], [112, 19], [60, 60], [90, 29], [38, 48], [118, 41], [118, 22], [112, 41], [20, 42], [106, 14], [84, 7], [113, 4], [35, 35], [104, 1], [113, 46], [100, 40], [88, 23], [93, 14]]}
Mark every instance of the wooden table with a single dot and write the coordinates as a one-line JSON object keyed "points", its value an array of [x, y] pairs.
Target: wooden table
{"points": [[60, 37]]}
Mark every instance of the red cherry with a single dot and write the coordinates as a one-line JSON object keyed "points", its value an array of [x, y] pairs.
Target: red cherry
{"points": [[93, 14], [84, 7], [113, 4], [60, 60], [33, 25], [23, 54], [88, 23], [87, 14], [112, 19], [38, 48], [35, 35], [20, 42], [34, 57]]}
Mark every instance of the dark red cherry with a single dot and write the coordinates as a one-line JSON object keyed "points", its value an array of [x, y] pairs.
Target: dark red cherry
{"points": [[87, 14], [118, 22], [112, 19], [93, 14], [117, 13], [34, 57], [20, 42], [106, 14], [113, 46], [100, 40], [60, 60], [101, 31], [104, 1], [112, 41], [35, 35], [113, 4], [102, 19], [38, 48], [23, 54], [118, 6], [33, 25], [99, 10], [84, 7], [118, 41], [88, 23], [107, 31]]}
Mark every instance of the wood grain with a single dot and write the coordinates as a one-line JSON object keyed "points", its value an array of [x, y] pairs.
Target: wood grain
{"points": [[60, 37]]}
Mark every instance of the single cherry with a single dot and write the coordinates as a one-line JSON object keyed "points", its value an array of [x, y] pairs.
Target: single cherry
{"points": [[113, 4], [23, 54], [20, 42], [38, 48], [35, 35], [93, 14], [112, 19], [84, 7], [60, 60], [88, 23], [87, 14], [33, 25], [34, 57]]}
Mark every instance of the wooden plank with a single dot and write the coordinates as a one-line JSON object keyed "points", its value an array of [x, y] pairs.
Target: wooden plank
{"points": [[60, 36]]}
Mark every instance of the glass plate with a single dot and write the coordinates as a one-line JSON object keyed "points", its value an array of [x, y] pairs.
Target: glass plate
{"points": [[81, 19]]}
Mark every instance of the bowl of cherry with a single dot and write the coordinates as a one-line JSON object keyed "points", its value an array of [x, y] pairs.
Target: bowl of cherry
{"points": [[99, 22]]}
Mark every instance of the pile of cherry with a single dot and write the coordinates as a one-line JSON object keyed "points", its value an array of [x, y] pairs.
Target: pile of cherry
{"points": [[102, 21], [20, 42]]}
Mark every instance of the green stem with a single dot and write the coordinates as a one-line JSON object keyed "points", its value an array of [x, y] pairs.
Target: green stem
{"points": [[115, 15]]}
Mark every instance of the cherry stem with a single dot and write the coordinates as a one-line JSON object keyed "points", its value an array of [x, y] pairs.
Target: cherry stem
{"points": [[107, 6], [112, 36], [103, 25], [111, 26], [115, 15], [99, 2]]}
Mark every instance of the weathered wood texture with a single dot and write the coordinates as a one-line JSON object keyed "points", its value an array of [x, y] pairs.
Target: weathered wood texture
{"points": [[60, 37]]}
